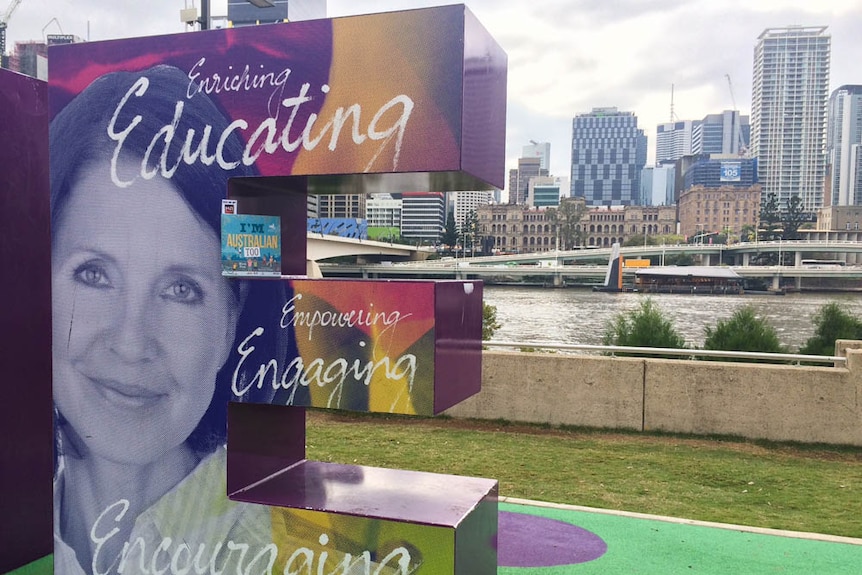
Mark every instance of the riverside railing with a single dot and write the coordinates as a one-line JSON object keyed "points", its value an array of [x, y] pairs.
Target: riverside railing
{"points": [[672, 353]]}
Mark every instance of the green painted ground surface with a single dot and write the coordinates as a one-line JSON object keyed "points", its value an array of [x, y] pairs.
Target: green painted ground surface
{"points": [[651, 547]]}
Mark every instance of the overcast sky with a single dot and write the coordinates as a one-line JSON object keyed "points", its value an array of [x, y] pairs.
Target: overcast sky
{"points": [[565, 56]]}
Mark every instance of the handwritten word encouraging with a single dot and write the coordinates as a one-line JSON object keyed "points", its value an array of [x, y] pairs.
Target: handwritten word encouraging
{"points": [[177, 557]]}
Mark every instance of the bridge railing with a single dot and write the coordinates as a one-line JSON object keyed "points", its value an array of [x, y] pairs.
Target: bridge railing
{"points": [[671, 353]]}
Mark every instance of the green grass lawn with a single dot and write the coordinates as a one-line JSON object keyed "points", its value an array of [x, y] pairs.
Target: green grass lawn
{"points": [[780, 486]]}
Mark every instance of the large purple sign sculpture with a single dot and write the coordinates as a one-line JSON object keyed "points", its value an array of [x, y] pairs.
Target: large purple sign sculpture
{"points": [[25, 317], [179, 392]]}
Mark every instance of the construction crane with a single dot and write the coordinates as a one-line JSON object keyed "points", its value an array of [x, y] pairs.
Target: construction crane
{"points": [[4, 21], [742, 149]]}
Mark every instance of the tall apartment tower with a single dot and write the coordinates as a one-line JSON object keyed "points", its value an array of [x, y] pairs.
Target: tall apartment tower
{"points": [[608, 154], [519, 180], [844, 147], [725, 133], [673, 140], [790, 90]]}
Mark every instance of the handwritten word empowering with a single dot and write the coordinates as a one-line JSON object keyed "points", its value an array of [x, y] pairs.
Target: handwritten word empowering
{"points": [[271, 136], [177, 557], [348, 319], [318, 372]]}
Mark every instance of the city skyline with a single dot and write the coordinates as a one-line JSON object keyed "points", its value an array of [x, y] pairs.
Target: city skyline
{"points": [[565, 58]]}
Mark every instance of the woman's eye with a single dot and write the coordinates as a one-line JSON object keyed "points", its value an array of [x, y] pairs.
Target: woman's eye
{"points": [[92, 274], [184, 291]]}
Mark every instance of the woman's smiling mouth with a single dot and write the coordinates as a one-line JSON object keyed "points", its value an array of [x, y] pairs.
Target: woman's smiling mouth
{"points": [[126, 395]]}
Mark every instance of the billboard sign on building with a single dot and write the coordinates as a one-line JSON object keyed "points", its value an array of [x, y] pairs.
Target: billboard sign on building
{"points": [[731, 171], [58, 39]]}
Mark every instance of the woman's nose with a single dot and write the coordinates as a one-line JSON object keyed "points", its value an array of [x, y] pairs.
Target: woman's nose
{"points": [[134, 337]]}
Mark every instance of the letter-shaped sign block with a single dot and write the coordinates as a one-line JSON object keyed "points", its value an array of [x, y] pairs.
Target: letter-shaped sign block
{"points": [[407, 347], [191, 385], [25, 412]]}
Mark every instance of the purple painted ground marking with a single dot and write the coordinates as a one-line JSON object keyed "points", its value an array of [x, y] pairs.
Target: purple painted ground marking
{"points": [[532, 541]]}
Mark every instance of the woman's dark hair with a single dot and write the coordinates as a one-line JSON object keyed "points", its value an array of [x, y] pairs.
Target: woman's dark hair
{"points": [[79, 137]]}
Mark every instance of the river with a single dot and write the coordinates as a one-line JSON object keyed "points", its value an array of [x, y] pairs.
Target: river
{"points": [[580, 316]]}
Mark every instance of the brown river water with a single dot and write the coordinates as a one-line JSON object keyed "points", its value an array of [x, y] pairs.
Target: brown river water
{"points": [[580, 316]]}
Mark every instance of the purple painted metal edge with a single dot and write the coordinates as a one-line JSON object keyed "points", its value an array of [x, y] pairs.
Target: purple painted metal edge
{"points": [[262, 439], [458, 342], [483, 135], [387, 494], [26, 456]]}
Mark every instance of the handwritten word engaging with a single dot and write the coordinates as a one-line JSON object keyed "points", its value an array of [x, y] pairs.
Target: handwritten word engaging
{"points": [[178, 557], [336, 373], [273, 135], [332, 374]]}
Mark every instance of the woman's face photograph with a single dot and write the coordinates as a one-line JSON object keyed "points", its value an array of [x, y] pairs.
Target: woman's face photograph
{"points": [[143, 319]]}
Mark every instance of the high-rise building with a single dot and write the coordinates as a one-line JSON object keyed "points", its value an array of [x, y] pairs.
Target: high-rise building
{"points": [[422, 216], [673, 140], [844, 147], [547, 191], [519, 179], [723, 210], [383, 211], [541, 150], [350, 206], [608, 154], [657, 185], [463, 203], [790, 90], [720, 171], [725, 133]]}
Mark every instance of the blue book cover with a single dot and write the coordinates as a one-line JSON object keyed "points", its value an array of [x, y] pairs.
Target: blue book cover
{"points": [[250, 245]]}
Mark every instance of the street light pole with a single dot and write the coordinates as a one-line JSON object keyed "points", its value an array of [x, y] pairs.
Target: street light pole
{"points": [[204, 20]]}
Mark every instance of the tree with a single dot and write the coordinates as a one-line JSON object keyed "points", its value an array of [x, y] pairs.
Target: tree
{"points": [[769, 229], [748, 233], [832, 323], [471, 231], [770, 219], [744, 331], [450, 234], [676, 259], [489, 321], [567, 219], [644, 327], [639, 240], [793, 218]]}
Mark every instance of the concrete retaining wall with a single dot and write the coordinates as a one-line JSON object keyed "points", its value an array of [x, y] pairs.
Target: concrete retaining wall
{"points": [[759, 401]]}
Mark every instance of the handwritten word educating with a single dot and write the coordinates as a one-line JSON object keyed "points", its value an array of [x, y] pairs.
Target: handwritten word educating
{"points": [[276, 133]]}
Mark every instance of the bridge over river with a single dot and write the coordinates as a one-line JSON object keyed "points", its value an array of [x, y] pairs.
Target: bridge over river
{"points": [[570, 267]]}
